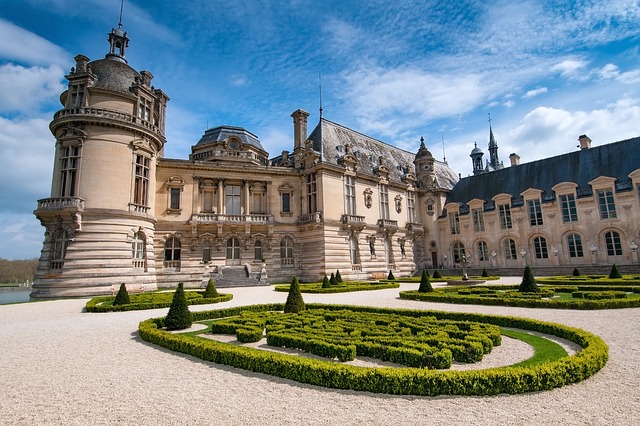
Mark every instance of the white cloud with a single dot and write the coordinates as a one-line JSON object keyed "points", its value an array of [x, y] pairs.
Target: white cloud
{"points": [[570, 67], [612, 72], [23, 46], [25, 90], [509, 104], [534, 92]]}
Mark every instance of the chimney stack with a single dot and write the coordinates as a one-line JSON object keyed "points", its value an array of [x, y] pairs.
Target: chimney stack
{"points": [[299, 128], [585, 142], [515, 159]]}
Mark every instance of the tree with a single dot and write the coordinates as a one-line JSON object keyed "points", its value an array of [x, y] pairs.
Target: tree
{"points": [[528, 284], [122, 298], [332, 280], [179, 316], [436, 274], [390, 276], [425, 283], [614, 272], [294, 302], [576, 273], [338, 276], [484, 273], [325, 282], [211, 291]]}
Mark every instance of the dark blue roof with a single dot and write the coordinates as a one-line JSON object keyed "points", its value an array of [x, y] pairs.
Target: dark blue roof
{"points": [[615, 160], [222, 133]]}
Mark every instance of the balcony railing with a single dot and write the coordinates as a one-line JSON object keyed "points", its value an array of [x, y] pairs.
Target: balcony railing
{"points": [[417, 227], [286, 262], [138, 208], [388, 224], [311, 218], [204, 218], [350, 218], [71, 203], [172, 264], [106, 113], [356, 267]]}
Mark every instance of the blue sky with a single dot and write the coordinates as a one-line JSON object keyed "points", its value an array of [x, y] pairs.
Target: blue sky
{"points": [[546, 71]]}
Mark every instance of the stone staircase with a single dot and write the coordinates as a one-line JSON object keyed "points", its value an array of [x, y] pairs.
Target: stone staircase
{"points": [[237, 276]]}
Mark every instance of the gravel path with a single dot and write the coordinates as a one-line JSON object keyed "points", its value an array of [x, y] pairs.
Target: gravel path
{"points": [[59, 365]]}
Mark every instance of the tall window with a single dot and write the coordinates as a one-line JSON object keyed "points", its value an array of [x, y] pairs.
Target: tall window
{"points": [[353, 250], [483, 253], [411, 206], [233, 200], [286, 251], [233, 249], [384, 202], [137, 246], [257, 250], [614, 247], [206, 251], [286, 202], [60, 246], [509, 247], [478, 220], [535, 212], [458, 252], [569, 212], [69, 170], [575, 245], [454, 221], [505, 216], [312, 202], [350, 195], [540, 247], [606, 204], [77, 96], [144, 109], [141, 184], [172, 252], [175, 198]]}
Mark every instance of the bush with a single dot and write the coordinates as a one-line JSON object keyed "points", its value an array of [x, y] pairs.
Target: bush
{"points": [[576, 273], [122, 298], [614, 274], [210, 291], [390, 276], [436, 275], [294, 302], [325, 282], [528, 284], [332, 280], [338, 276], [425, 284], [484, 273], [179, 316]]}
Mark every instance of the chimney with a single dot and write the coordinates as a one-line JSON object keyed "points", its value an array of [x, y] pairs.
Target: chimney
{"points": [[299, 128], [515, 159], [585, 142]]}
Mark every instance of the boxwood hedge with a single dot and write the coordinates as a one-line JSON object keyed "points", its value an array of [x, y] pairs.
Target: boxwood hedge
{"points": [[345, 287], [152, 301], [406, 381]]}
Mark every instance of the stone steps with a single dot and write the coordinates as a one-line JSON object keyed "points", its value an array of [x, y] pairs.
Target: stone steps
{"points": [[237, 276]]}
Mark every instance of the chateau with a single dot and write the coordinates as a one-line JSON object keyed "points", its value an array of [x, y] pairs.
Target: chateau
{"points": [[120, 212]]}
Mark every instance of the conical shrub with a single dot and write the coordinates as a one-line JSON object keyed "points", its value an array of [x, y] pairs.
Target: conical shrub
{"points": [[576, 273], [325, 282], [338, 276], [436, 274], [179, 316], [484, 273], [528, 284], [425, 283], [294, 302], [211, 291], [332, 280], [614, 272], [390, 276], [122, 298]]}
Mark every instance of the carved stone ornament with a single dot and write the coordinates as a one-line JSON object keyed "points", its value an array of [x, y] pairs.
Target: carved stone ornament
{"points": [[368, 198]]}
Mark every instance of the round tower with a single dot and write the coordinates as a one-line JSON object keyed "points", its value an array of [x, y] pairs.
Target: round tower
{"points": [[476, 159], [424, 162], [99, 222]]}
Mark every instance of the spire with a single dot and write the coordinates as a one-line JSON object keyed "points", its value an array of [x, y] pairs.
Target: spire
{"points": [[320, 88], [494, 161], [118, 40]]}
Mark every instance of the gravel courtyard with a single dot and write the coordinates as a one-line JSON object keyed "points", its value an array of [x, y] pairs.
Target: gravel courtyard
{"points": [[59, 365]]}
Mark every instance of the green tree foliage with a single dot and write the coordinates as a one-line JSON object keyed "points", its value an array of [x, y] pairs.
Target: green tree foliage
{"points": [[122, 298], [325, 282], [576, 273], [294, 302], [179, 316], [614, 272], [332, 280], [338, 276], [425, 283], [211, 290], [528, 284], [390, 276], [436, 274], [484, 272]]}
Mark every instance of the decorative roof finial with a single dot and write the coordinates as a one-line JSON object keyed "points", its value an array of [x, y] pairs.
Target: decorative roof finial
{"points": [[120, 20], [320, 88]]}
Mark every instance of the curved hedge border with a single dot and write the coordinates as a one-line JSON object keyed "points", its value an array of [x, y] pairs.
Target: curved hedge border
{"points": [[316, 288], [628, 280], [401, 381], [93, 305], [522, 302]]}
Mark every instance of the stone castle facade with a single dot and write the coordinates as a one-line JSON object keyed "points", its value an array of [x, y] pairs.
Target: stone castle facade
{"points": [[121, 212]]}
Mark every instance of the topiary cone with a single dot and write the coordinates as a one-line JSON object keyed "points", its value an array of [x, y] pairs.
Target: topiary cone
{"points": [[528, 284], [122, 298], [332, 280], [425, 283], [179, 316], [614, 272], [390, 276], [294, 302], [325, 282], [338, 276], [436, 274], [576, 273], [211, 290]]}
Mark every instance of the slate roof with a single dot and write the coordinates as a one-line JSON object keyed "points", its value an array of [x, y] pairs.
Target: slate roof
{"points": [[616, 160], [221, 133], [113, 75], [329, 139]]}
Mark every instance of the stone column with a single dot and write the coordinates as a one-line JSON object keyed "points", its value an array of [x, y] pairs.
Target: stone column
{"points": [[221, 208], [245, 197]]}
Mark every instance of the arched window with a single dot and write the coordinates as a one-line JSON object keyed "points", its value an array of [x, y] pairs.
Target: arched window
{"points": [[138, 250], [286, 252], [540, 247], [458, 252], [206, 251], [172, 253], [509, 247], [614, 247], [482, 251], [575, 245], [257, 250]]}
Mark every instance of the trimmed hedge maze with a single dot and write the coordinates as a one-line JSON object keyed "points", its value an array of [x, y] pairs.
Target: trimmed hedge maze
{"points": [[410, 323], [345, 287], [151, 301], [558, 297]]}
